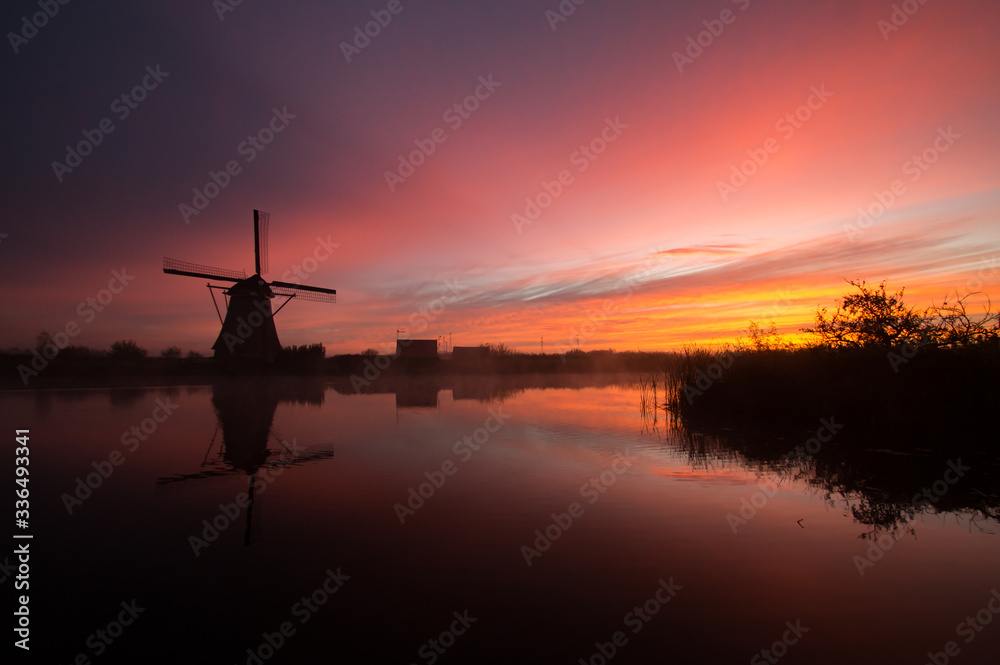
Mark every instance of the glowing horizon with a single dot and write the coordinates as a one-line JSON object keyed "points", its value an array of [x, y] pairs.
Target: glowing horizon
{"points": [[530, 180]]}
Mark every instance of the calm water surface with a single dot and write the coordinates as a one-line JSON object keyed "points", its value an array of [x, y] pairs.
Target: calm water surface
{"points": [[468, 522]]}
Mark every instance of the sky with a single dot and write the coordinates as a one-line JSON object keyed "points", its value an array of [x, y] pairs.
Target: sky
{"points": [[546, 175]]}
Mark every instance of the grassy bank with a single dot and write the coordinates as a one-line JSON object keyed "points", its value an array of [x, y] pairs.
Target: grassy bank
{"points": [[935, 391]]}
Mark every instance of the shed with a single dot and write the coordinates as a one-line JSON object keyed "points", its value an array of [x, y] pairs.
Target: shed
{"points": [[416, 348]]}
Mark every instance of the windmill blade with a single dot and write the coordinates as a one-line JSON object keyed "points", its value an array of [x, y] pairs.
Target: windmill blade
{"points": [[296, 460], [260, 220], [207, 473], [299, 460], [175, 267], [313, 293]]}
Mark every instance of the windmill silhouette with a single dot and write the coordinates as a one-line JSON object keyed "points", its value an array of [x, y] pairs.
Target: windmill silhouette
{"points": [[248, 331]]}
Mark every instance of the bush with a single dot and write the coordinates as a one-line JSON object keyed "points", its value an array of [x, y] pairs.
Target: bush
{"points": [[876, 319], [127, 349], [869, 319], [171, 353], [497, 349]]}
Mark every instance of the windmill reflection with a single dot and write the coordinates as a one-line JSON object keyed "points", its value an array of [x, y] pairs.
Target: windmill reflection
{"points": [[245, 408]]}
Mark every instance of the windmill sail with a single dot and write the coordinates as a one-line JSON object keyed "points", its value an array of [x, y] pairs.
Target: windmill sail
{"points": [[314, 293], [175, 267], [260, 220], [248, 332]]}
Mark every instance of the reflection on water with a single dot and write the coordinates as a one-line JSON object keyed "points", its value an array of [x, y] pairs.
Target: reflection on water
{"points": [[884, 487], [878, 547], [245, 410]]}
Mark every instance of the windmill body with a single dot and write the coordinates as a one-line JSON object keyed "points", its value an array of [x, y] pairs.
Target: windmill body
{"points": [[248, 332]]}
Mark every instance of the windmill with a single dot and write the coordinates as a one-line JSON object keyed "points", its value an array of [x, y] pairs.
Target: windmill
{"points": [[248, 331]]}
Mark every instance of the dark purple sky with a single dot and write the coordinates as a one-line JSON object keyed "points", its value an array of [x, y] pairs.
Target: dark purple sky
{"points": [[681, 190]]}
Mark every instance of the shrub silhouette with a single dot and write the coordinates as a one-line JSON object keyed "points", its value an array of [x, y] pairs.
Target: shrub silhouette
{"points": [[171, 353], [127, 349], [873, 318]]}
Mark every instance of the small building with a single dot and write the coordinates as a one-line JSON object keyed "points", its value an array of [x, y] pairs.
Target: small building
{"points": [[469, 353], [416, 348]]}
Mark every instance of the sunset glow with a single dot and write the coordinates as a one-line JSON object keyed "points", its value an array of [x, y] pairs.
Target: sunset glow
{"points": [[552, 183]]}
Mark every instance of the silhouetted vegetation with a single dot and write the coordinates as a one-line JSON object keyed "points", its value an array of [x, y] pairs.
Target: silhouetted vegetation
{"points": [[305, 359], [498, 350], [127, 349], [171, 353], [875, 319], [884, 366]]}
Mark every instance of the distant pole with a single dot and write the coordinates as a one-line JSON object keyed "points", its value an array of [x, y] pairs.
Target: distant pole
{"points": [[543, 346]]}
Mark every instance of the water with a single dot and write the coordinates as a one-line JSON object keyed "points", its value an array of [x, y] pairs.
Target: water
{"points": [[638, 548]]}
